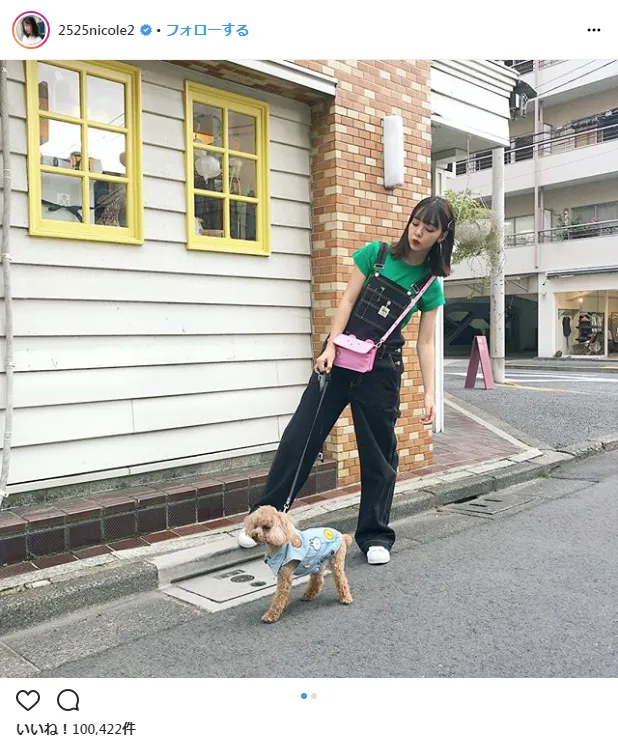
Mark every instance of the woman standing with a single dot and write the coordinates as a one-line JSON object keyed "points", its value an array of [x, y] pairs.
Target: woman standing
{"points": [[383, 282]]}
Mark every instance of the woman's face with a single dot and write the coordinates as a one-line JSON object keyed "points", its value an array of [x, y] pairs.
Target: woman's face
{"points": [[422, 236], [27, 28]]}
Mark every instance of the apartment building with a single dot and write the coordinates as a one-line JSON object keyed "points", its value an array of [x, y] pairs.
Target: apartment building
{"points": [[561, 208]]}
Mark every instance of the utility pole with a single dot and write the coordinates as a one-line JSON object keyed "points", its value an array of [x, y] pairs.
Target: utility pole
{"points": [[497, 262], [437, 186]]}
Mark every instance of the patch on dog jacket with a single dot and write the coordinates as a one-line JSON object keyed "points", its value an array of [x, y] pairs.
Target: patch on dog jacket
{"points": [[318, 545]]}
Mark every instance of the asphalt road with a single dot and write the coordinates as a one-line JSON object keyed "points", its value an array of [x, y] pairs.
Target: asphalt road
{"points": [[556, 408], [528, 593]]}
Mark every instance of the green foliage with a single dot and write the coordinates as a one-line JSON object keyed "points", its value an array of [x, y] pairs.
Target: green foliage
{"points": [[568, 229], [468, 209]]}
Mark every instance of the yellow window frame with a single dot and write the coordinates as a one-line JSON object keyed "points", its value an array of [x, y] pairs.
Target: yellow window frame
{"points": [[118, 72], [202, 94]]}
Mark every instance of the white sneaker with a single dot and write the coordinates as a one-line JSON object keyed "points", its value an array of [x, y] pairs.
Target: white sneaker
{"points": [[378, 555], [245, 541]]}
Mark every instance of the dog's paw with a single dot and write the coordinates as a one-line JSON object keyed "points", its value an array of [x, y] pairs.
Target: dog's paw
{"points": [[309, 596], [270, 617], [346, 600]]}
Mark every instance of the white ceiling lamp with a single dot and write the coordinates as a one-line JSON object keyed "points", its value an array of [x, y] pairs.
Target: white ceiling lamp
{"points": [[207, 166]]}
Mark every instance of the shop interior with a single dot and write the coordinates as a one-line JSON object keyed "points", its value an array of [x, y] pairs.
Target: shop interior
{"points": [[587, 323]]}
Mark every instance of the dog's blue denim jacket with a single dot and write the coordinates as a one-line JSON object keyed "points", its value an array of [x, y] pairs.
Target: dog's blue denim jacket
{"points": [[318, 545]]}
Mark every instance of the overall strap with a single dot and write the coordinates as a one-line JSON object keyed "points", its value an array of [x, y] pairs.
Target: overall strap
{"points": [[412, 303], [381, 258], [418, 286]]}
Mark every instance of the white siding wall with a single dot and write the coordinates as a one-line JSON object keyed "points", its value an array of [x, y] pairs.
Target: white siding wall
{"points": [[128, 356]]}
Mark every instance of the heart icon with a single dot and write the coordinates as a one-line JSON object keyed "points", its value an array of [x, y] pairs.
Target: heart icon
{"points": [[28, 699]]}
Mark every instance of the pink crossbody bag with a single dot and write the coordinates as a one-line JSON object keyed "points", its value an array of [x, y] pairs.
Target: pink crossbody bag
{"points": [[359, 355]]}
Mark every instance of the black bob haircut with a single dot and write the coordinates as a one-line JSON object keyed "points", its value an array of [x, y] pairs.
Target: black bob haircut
{"points": [[438, 212]]}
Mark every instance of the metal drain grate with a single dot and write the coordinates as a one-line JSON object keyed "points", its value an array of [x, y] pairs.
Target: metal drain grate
{"points": [[231, 583], [225, 588], [489, 505]]}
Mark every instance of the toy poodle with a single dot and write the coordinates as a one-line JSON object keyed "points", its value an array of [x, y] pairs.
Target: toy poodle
{"points": [[296, 553]]}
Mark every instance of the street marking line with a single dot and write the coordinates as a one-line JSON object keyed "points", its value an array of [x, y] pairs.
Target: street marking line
{"points": [[542, 378], [559, 390], [547, 390]]}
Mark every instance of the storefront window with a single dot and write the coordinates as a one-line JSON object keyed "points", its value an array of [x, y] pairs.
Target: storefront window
{"points": [[588, 322]]}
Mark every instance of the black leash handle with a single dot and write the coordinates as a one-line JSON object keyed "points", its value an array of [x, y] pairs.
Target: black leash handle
{"points": [[323, 380]]}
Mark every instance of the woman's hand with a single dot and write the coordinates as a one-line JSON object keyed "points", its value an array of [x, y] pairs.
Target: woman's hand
{"points": [[324, 363], [430, 410]]}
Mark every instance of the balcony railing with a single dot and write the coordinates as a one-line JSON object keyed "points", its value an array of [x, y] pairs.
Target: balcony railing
{"points": [[521, 65], [519, 239], [569, 138], [566, 233], [524, 66], [576, 232]]}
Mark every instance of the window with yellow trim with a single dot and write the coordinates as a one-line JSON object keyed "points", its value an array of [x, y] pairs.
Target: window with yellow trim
{"points": [[84, 151], [227, 172]]}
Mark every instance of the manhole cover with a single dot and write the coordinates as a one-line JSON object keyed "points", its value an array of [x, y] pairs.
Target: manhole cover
{"points": [[228, 584], [491, 505], [225, 588]]}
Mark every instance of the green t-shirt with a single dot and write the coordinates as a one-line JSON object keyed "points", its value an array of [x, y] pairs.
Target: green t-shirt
{"points": [[403, 274]]}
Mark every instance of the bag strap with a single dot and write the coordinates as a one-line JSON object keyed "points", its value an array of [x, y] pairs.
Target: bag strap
{"points": [[381, 257], [413, 302]]}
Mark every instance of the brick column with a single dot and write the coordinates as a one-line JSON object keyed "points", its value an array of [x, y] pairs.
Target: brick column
{"points": [[351, 207]]}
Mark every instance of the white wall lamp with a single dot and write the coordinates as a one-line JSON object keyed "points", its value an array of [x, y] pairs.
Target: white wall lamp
{"points": [[394, 155]]}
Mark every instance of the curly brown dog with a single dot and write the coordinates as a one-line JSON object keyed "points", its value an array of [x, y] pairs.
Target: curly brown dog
{"points": [[296, 553]]}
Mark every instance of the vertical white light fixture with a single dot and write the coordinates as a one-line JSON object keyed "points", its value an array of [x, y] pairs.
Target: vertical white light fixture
{"points": [[394, 156]]}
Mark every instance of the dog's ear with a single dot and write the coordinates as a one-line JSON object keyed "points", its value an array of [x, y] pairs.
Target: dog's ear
{"points": [[249, 522], [286, 526]]}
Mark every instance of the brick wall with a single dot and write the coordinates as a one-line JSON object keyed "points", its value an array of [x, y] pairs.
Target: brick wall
{"points": [[351, 207]]}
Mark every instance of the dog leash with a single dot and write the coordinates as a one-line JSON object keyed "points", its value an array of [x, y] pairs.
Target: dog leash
{"points": [[323, 380]]}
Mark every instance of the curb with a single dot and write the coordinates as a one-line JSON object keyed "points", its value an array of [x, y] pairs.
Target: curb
{"points": [[607, 443], [103, 579], [37, 602]]}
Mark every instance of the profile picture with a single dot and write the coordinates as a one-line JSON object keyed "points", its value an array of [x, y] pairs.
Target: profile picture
{"points": [[30, 29]]}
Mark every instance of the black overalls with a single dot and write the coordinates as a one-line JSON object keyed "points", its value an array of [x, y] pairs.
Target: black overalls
{"points": [[374, 399]]}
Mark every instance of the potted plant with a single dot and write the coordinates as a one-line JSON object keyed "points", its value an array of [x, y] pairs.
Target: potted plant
{"points": [[473, 218], [567, 227], [476, 228]]}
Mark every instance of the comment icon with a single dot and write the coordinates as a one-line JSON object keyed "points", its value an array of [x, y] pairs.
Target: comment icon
{"points": [[68, 700]]}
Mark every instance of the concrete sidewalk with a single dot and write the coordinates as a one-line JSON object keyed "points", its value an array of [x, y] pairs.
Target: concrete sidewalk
{"points": [[519, 584], [86, 527], [50, 593]]}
